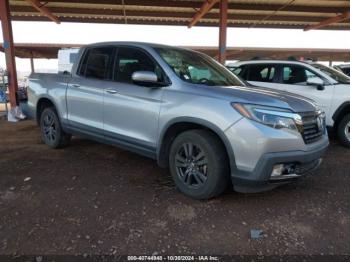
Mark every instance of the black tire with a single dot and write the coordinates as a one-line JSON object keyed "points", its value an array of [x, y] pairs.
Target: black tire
{"points": [[343, 131], [204, 181], [51, 130]]}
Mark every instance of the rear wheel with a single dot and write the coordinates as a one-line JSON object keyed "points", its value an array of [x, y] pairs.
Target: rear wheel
{"points": [[51, 130], [343, 131], [198, 164]]}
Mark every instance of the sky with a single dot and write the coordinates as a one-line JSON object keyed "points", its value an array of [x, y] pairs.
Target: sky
{"points": [[79, 33]]}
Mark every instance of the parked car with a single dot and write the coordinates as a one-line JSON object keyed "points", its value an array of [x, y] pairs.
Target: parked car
{"points": [[329, 88], [185, 110], [343, 68]]}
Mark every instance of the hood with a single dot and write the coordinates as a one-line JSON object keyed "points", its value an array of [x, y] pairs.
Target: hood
{"points": [[264, 97]]}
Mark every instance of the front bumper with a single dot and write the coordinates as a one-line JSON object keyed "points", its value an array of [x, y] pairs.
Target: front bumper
{"points": [[260, 180], [258, 148]]}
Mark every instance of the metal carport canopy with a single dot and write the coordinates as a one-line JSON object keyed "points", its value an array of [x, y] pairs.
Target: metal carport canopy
{"points": [[296, 14]]}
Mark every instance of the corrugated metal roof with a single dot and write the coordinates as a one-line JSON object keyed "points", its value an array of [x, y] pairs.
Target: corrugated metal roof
{"points": [[242, 13]]}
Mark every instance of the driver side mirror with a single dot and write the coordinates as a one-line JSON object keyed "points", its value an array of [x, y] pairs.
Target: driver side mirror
{"points": [[146, 78], [315, 81]]}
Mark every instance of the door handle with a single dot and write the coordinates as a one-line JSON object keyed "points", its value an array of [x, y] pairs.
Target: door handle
{"points": [[111, 91], [75, 85]]}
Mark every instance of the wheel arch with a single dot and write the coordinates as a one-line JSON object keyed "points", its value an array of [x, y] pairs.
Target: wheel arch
{"points": [[43, 102], [342, 110], [181, 124]]}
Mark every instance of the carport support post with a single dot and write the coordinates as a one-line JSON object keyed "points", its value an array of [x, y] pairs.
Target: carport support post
{"points": [[9, 50], [223, 31], [32, 63]]}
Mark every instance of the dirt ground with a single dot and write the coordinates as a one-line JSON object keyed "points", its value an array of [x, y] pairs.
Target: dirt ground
{"points": [[92, 198]]}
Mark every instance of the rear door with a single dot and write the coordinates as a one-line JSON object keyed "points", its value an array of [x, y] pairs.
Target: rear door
{"points": [[131, 111], [263, 75], [85, 91]]}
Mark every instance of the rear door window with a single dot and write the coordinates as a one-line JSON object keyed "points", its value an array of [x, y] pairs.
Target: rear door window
{"points": [[260, 73], [97, 63]]}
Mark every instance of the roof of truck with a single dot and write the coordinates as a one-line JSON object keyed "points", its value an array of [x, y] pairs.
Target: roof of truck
{"points": [[132, 43], [137, 44]]}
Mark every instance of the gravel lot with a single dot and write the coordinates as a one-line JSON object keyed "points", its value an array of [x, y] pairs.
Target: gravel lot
{"points": [[96, 199]]}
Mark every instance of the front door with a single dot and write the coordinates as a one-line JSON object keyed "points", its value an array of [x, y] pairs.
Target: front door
{"points": [[294, 79], [131, 111]]}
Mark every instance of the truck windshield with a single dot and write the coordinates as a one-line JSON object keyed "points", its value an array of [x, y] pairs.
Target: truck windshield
{"points": [[335, 74], [196, 68]]}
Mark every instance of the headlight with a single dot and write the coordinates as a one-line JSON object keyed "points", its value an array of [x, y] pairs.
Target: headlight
{"points": [[269, 116]]}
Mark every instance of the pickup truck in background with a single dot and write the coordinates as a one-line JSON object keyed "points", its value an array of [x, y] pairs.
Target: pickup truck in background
{"points": [[185, 110]]}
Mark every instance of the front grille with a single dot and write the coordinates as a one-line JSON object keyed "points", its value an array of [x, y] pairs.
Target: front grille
{"points": [[313, 128]]}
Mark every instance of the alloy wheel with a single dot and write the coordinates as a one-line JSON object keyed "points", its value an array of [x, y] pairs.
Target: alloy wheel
{"points": [[191, 165], [347, 131], [49, 128]]}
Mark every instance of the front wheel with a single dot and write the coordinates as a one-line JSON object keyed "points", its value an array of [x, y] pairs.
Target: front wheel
{"points": [[51, 131], [343, 131], [198, 164]]}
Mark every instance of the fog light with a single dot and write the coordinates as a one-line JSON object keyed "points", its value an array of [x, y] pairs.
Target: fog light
{"points": [[277, 170], [284, 171], [289, 169]]}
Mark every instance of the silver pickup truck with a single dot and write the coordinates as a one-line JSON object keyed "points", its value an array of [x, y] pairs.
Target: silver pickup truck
{"points": [[185, 110]]}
